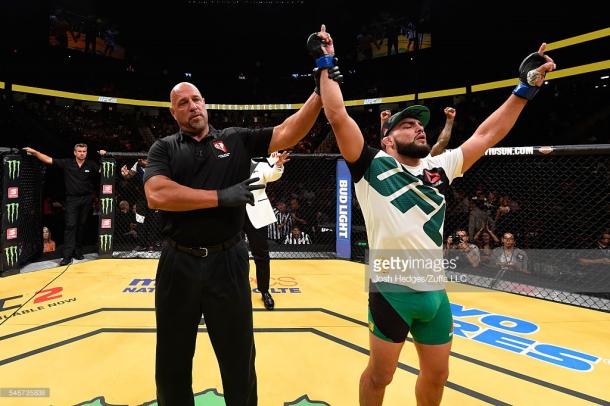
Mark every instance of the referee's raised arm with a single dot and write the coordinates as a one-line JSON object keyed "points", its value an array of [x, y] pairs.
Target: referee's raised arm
{"points": [[39, 155]]}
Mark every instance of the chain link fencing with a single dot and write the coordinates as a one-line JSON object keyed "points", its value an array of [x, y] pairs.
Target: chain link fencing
{"points": [[551, 203], [536, 217], [303, 200]]}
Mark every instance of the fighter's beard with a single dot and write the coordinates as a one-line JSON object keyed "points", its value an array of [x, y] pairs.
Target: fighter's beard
{"points": [[413, 150]]}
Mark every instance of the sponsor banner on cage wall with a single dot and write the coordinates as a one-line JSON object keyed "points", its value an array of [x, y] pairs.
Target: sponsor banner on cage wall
{"points": [[107, 207], [344, 211], [11, 204]]}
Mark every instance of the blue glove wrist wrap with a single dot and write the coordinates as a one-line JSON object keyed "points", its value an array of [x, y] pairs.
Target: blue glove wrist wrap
{"points": [[325, 62]]}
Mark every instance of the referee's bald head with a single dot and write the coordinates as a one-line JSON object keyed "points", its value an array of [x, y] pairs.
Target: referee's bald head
{"points": [[181, 88]]}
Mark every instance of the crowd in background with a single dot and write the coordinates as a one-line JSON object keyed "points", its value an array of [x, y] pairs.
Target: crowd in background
{"points": [[579, 116], [55, 124]]}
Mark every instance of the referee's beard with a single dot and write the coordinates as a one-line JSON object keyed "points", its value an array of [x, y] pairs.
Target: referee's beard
{"points": [[197, 123], [412, 149]]}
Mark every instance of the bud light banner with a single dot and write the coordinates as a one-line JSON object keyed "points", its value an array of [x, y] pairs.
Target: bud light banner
{"points": [[344, 211], [107, 207], [11, 203]]}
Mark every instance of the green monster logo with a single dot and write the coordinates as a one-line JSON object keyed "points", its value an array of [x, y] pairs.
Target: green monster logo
{"points": [[108, 169], [13, 169], [105, 242], [210, 397], [12, 255], [106, 203], [12, 212]]}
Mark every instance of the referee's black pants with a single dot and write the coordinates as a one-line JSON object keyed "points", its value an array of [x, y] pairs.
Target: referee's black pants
{"points": [[257, 239], [218, 287], [76, 211]]}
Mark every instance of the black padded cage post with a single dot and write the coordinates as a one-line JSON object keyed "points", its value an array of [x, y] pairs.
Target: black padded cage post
{"points": [[107, 207], [22, 184]]}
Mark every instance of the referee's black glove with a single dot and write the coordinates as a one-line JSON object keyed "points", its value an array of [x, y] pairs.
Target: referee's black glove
{"points": [[238, 194]]}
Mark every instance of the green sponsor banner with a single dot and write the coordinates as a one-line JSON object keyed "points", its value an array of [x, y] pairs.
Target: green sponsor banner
{"points": [[14, 167], [108, 169], [105, 242], [12, 212], [107, 205], [12, 255]]}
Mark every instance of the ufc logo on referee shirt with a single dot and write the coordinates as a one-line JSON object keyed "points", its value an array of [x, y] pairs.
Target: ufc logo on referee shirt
{"points": [[220, 145]]}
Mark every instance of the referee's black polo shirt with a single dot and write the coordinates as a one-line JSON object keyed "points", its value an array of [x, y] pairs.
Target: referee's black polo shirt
{"points": [[219, 160], [79, 181]]}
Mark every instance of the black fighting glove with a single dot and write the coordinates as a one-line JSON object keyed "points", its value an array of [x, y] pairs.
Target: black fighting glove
{"points": [[324, 58], [314, 47], [528, 76], [333, 73], [238, 194]]}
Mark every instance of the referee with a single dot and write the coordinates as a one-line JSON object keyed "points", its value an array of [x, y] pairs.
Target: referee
{"points": [[199, 178], [79, 176]]}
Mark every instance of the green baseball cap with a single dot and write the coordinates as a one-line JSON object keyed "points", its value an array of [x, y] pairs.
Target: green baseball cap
{"points": [[416, 111]]}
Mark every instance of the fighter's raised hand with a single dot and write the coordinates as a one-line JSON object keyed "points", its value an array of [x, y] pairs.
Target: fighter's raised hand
{"points": [[532, 72]]}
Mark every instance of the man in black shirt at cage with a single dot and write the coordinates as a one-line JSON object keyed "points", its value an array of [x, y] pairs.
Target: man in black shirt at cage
{"points": [[200, 179], [149, 227], [79, 176]]}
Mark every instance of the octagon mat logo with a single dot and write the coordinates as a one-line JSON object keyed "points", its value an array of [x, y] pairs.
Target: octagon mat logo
{"points": [[209, 397]]}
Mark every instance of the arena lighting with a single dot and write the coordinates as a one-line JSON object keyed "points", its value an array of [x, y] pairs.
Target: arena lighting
{"points": [[188, 74], [605, 77]]}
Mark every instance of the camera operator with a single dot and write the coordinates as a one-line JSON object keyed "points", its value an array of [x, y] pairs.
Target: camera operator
{"points": [[459, 246]]}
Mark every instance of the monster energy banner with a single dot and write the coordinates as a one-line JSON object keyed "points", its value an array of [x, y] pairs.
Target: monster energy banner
{"points": [[14, 167], [11, 256], [12, 213], [105, 244], [11, 201], [107, 207], [108, 169]]}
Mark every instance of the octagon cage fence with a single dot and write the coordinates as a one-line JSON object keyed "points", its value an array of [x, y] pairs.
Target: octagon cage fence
{"points": [[551, 201]]}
